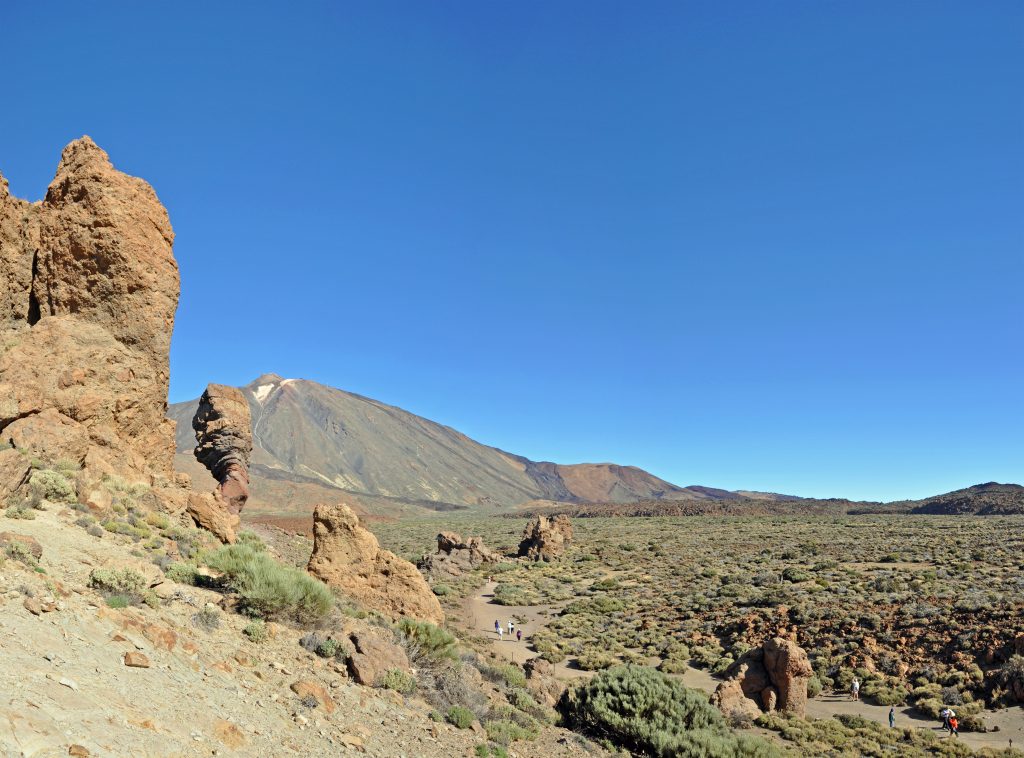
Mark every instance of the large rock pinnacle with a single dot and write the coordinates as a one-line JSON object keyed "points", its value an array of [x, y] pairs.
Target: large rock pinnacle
{"points": [[90, 288], [224, 441]]}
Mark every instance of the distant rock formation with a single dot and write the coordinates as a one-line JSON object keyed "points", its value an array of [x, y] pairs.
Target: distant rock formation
{"points": [[455, 556], [347, 556], [87, 302], [224, 442], [545, 539], [771, 677]]}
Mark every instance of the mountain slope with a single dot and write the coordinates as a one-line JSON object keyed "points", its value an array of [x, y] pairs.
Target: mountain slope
{"points": [[989, 499], [311, 441]]}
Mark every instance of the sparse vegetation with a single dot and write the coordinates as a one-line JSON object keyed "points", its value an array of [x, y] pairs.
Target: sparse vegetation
{"points": [[268, 589]]}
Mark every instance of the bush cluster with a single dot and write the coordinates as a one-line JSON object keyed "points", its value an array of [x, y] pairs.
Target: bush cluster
{"points": [[268, 589]]}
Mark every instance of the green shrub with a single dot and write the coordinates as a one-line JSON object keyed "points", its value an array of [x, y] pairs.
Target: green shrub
{"points": [[118, 601], [269, 589], [505, 732], [399, 681], [432, 641], [460, 717], [124, 581], [18, 512], [595, 660], [647, 712], [53, 486], [256, 630], [512, 675], [813, 686], [158, 520], [183, 573], [441, 590]]}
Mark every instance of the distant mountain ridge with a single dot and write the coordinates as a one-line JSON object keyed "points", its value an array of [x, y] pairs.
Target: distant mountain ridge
{"points": [[312, 442]]}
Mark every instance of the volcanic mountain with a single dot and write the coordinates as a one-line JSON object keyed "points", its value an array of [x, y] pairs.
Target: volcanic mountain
{"points": [[311, 442]]}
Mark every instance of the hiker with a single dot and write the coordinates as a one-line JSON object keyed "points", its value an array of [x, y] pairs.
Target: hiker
{"points": [[855, 690], [945, 713], [892, 716], [497, 627], [511, 627], [501, 634], [519, 635], [954, 726]]}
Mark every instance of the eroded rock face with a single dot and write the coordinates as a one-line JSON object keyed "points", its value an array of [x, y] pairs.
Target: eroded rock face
{"points": [[455, 556], [771, 677], [224, 442], [347, 556], [545, 539], [87, 302]]}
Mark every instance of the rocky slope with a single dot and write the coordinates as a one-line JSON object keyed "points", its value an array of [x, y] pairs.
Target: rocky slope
{"points": [[318, 440], [125, 630]]}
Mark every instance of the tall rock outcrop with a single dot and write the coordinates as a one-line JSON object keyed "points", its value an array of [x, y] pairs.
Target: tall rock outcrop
{"points": [[223, 428], [347, 556], [771, 677], [545, 539], [90, 288]]}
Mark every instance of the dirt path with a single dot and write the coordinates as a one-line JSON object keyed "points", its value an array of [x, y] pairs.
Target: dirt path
{"points": [[480, 612]]}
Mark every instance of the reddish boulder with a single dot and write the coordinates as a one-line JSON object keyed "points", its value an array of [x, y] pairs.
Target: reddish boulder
{"points": [[773, 677], [545, 539]]}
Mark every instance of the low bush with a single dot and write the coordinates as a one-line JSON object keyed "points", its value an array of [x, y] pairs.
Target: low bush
{"points": [[256, 630], [460, 717], [122, 587], [53, 486], [647, 712], [267, 588], [183, 573], [430, 640], [399, 681]]}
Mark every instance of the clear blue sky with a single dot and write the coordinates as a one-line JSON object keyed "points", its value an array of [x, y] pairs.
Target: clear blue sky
{"points": [[768, 245]]}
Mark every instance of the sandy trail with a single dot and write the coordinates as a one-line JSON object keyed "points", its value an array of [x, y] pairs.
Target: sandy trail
{"points": [[480, 612]]}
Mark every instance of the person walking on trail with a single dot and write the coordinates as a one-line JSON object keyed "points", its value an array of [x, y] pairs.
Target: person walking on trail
{"points": [[519, 635], [945, 713], [511, 627], [954, 726], [501, 633], [892, 716], [497, 626], [855, 690]]}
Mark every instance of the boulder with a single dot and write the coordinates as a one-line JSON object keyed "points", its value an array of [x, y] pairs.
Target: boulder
{"points": [[374, 656], [212, 514], [223, 430], [308, 688], [545, 539], [773, 676], [455, 556], [348, 557], [789, 670], [542, 682]]}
